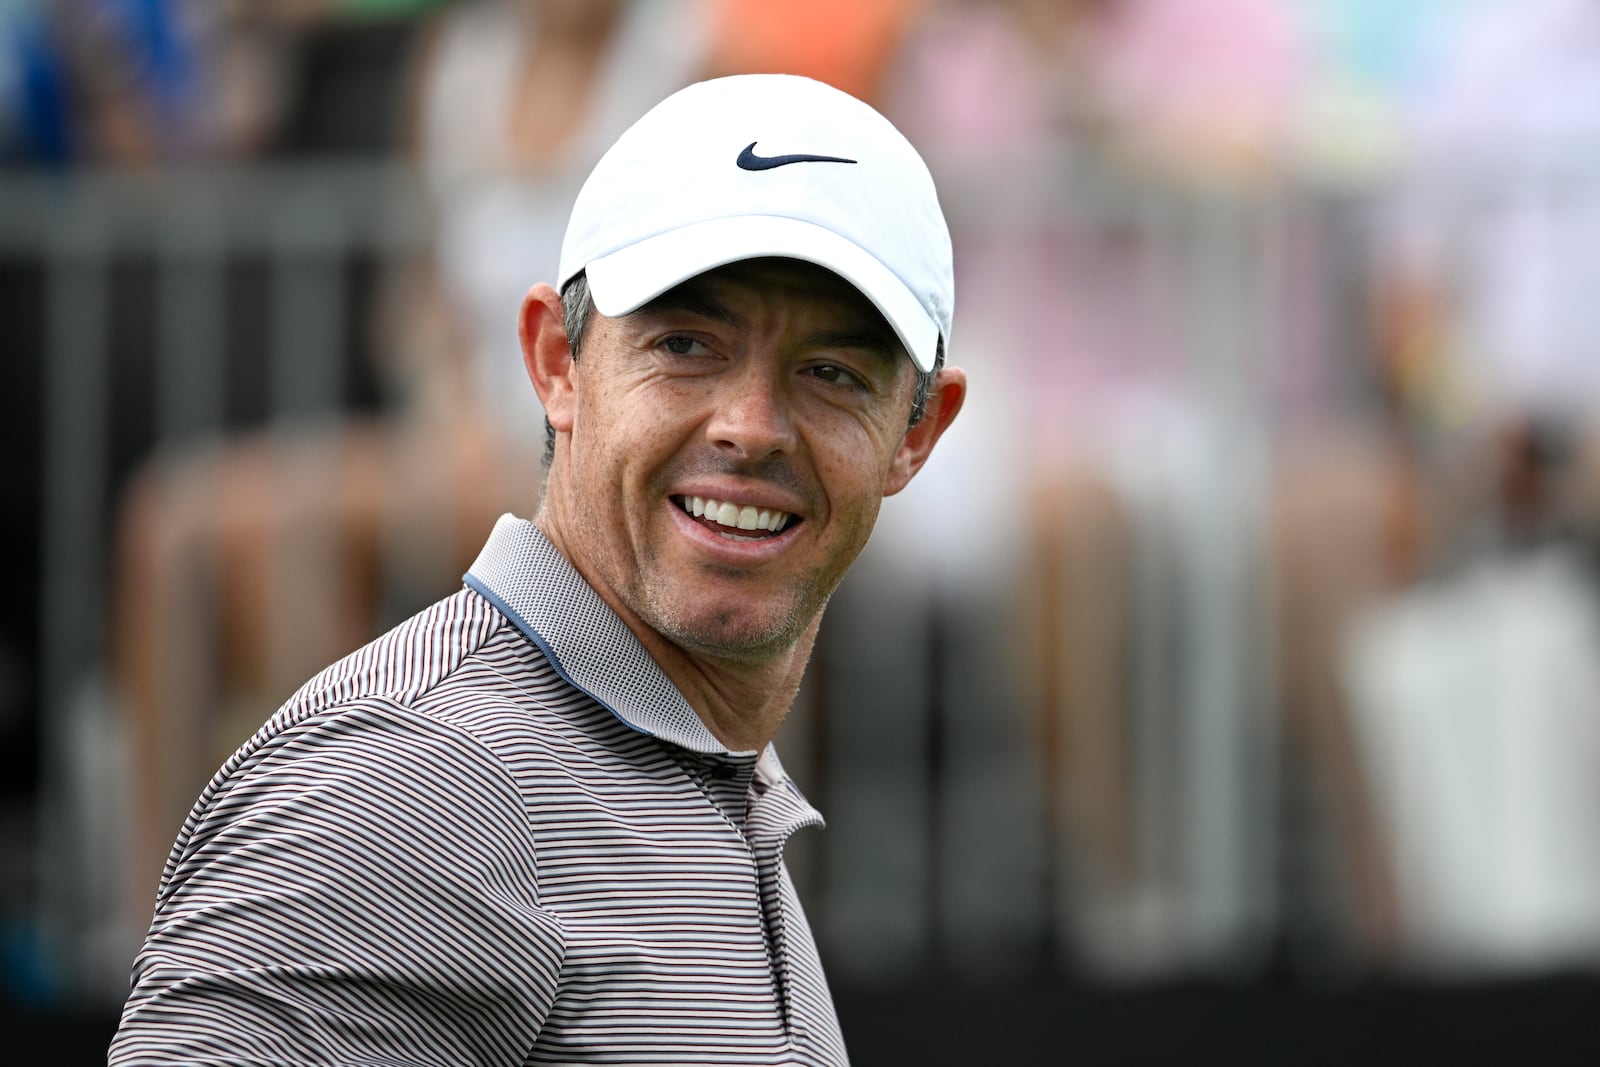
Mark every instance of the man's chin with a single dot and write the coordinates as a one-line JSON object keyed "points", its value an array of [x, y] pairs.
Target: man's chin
{"points": [[736, 639]]}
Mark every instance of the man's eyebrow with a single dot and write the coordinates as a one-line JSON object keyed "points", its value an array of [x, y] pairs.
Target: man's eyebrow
{"points": [[682, 298], [880, 343]]}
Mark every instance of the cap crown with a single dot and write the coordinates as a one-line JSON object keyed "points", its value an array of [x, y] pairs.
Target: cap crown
{"points": [[766, 165]]}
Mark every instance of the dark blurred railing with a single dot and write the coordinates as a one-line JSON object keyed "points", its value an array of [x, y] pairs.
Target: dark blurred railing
{"points": [[138, 338]]}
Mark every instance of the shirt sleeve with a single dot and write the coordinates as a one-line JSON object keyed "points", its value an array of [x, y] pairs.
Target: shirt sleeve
{"points": [[361, 889]]}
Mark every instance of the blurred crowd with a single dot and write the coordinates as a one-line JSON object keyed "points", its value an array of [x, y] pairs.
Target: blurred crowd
{"points": [[1279, 321]]}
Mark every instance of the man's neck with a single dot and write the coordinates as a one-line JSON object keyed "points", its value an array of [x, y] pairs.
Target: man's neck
{"points": [[742, 702]]}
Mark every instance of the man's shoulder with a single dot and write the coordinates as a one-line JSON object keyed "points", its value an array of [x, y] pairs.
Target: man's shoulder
{"points": [[406, 663], [464, 665], [456, 674]]}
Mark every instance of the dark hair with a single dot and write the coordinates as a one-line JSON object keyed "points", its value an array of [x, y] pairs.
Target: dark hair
{"points": [[924, 389], [577, 307]]}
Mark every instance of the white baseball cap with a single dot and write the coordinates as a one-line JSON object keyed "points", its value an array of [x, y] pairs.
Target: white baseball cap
{"points": [[761, 165]]}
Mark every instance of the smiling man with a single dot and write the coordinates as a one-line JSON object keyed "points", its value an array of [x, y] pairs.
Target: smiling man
{"points": [[543, 822]]}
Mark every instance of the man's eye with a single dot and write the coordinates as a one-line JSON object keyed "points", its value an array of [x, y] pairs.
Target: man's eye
{"points": [[682, 346], [830, 372]]}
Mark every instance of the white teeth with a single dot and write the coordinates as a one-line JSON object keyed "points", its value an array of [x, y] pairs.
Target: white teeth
{"points": [[747, 517]]}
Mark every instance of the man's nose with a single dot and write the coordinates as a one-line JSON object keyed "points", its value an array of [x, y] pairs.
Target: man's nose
{"points": [[753, 419]]}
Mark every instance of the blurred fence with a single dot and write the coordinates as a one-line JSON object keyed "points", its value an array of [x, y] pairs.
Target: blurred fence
{"points": [[177, 310]]}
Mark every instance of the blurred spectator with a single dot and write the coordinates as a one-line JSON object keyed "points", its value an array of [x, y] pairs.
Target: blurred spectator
{"points": [[847, 43], [1490, 329], [512, 101], [144, 83], [32, 88], [140, 82], [243, 567], [1060, 130], [1357, 509]]}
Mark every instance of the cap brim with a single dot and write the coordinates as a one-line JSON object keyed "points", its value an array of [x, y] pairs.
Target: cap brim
{"points": [[630, 277]]}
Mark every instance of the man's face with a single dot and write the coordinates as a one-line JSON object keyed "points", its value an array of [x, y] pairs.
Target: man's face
{"points": [[730, 444]]}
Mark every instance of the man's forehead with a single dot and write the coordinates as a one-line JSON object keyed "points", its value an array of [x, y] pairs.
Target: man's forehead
{"points": [[785, 277]]}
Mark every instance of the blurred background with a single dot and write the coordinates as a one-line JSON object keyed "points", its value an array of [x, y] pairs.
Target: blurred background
{"points": [[1228, 685]]}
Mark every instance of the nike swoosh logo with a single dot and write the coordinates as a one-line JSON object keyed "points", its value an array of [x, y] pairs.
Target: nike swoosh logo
{"points": [[748, 160]]}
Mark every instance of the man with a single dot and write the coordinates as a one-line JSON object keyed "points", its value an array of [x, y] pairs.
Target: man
{"points": [[542, 821]]}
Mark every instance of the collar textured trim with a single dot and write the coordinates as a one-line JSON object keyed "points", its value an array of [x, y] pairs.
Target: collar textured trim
{"points": [[542, 594]]}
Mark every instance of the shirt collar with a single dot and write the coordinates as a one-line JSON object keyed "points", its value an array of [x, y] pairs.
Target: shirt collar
{"points": [[535, 586]]}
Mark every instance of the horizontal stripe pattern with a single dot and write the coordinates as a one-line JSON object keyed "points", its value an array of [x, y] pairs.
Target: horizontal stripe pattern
{"points": [[441, 851]]}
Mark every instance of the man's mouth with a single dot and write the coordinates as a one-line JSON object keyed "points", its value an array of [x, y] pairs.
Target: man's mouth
{"points": [[723, 518]]}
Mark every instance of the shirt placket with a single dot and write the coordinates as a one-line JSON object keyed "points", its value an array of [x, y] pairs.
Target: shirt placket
{"points": [[764, 815], [776, 813]]}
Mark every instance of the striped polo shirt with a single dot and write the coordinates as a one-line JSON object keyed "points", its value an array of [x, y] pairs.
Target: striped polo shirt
{"points": [[496, 835]]}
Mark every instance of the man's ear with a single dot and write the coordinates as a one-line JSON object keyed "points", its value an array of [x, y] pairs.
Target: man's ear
{"points": [[546, 353], [944, 402]]}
